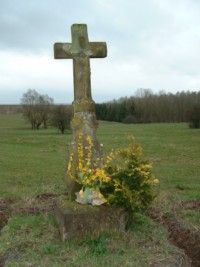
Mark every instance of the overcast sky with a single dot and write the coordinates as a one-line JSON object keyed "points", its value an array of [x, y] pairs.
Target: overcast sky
{"points": [[151, 44]]}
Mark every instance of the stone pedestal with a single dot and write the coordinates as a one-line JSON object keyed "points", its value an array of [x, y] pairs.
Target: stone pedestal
{"points": [[77, 221]]}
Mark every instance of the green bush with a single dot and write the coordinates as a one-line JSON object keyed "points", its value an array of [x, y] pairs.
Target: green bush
{"points": [[194, 117], [132, 186]]}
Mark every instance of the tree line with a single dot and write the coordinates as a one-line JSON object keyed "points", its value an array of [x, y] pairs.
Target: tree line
{"points": [[144, 107], [147, 107]]}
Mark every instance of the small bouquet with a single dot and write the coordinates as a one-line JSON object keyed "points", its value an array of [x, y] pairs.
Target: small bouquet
{"points": [[89, 173]]}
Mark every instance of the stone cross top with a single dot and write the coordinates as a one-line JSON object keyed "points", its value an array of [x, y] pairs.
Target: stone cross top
{"points": [[80, 50], [84, 119]]}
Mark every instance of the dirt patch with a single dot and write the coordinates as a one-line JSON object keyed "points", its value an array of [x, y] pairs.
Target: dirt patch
{"points": [[4, 216], [180, 236], [191, 205], [1, 263], [186, 239], [5, 211], [25, 206], [47, 196]]}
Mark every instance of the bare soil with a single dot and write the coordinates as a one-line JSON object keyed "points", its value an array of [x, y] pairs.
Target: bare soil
{"points": [[179, 234], [182, 237], [191, 205]]}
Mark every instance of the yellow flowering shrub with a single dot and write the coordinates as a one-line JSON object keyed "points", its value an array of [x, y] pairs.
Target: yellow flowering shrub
{"points": [[129, 184], [132, 182]]}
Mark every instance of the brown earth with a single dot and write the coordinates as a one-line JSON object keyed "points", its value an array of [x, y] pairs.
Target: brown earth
{"points": [[179, 235], [191, 205]]}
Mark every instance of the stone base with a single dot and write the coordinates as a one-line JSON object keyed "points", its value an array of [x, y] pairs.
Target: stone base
{"points": [[77, 221]]}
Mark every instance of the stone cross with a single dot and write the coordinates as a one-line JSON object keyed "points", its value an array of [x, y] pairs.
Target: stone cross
{"points": [[84, 120], [80, 50]]}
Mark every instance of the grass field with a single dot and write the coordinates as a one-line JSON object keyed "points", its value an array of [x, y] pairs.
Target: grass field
{"points": [[34, 162]]}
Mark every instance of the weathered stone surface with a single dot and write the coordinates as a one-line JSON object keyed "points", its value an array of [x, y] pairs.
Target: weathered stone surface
{"points": [[80, 50], [76, 221], [84, 120]]}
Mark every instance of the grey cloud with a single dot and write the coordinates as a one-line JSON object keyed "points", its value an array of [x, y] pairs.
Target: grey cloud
{"points": [[34, 25], [150, 43]]}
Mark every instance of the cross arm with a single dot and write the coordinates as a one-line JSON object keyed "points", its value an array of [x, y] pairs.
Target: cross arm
{"points": [[63, 50], [98, 49], [66, 51]]}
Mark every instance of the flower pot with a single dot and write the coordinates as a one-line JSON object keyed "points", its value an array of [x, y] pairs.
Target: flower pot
{"points": [[90, 196]]}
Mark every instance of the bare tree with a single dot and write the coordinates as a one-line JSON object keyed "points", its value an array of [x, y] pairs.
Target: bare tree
{"points": [[61, 117], [45, 107], [36, 108]]}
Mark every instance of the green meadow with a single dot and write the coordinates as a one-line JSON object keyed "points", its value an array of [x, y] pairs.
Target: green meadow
{"points": [[33, 163]]}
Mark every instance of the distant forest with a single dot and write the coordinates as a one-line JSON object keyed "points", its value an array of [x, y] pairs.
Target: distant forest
{"points": [[144, 107], [147, 107]]}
